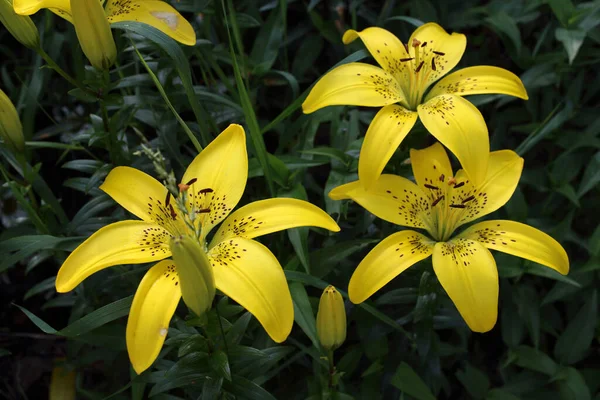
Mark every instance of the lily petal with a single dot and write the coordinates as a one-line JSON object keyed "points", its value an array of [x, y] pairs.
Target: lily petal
{"points": [[61, 8], [159, 14], [481, 79], [272, 215], [468, 273], [447, 50], [124, 242], [520, 240], [137, 192], [501, 180], [355, 84], [153, 307], [431, 168], [459, 126], [386, 131], [249, 273], [219, 174], [387, 260], [392, 198]]}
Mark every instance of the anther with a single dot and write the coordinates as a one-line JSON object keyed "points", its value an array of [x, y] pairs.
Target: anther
{"points": [[428, 186], [419, 67], [459, 185], [458, 206], [452, 181], [442, 177], [168, 199], [468, 199], [173, 213], [207, 190], [203, 210], [407, 59], [424, 44], [406, 47], [433, 64], [192, 181], [437, 201], [439, 53]]}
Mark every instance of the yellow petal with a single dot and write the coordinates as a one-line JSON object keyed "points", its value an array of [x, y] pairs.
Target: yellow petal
{"points": [[392, 198], [272, 215], [153, 307], [159, 14], [29, 7], [62, 384], [249, 273], [219, 174], [386, 131], [467, 272], [520, 240], [125, 242], [445, 49], [136, 191], [21, 27], [93, 33], [459, 126], [431, 167], [355, 84], [482, 79], [387, 260], [501, 180]]}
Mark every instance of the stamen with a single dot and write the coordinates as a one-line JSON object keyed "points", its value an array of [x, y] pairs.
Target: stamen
{"points": [[459, 185], [424, 44], [452, 181], [442, 177], [207, 190], [406, 47], [428, 186], [203, 210], [458, 206], [416, 43], [439, 53], [433, 64], [191, 182], [468, 199], [407, 59], [437, 201], [173, 213], [419, 67], [168, 199], [183, 187]]}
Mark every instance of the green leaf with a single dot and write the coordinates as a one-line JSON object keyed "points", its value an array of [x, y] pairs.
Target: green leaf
{"points": [[220, 364], [572, 385], [25, 246], [475, 381], [267, 42], [246, 389], [535, 360], [4, 352], [407, 380], [499, 394], [413, 21], [303, 312], [504, 24], [591, 176], [572, 39], [574, 343]]}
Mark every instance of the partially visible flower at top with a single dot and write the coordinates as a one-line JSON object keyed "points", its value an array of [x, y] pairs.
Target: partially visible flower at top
{"points": [[331, 319], [11, 130], [21, 27], [244, 269], [440, 203], [400, 86], [93, 33], [158, 14]]}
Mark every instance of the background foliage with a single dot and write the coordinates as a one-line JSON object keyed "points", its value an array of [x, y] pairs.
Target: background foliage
{"points": [[253, 64]]}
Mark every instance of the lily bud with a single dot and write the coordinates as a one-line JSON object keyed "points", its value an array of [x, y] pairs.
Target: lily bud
{"points": [[62, 384], [93, 32], [11, 129], [196, 276], [331, 319], [20, 26]]}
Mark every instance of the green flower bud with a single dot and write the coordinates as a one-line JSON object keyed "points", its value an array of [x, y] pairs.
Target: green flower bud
{"points": [[20, 26], [93, 32], [11, 129], [196, 276], [331, 319]]}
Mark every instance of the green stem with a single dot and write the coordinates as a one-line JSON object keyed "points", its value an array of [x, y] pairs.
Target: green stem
{"points": [[53, 65]]}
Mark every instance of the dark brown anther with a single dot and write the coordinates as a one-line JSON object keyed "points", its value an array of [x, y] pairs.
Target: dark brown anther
{"points": [[191, 182], [459, 185], [407, 59], [203, 210], [458, 206], [442, 177], [437, 201], [406, 47], [168, 199], [419, 67], [173, 213], [439, 53], [468, 199], [207, 190], [424, 44], [428, 186], [433, 64]]}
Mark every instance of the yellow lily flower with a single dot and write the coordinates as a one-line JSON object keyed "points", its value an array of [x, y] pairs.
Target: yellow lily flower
{"points": [[400, 87], [93, 33], [439, 203], [158, 14], [244, 269]]}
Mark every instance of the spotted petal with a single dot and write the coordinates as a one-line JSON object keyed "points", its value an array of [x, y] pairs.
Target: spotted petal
{"points": [[355, 84], [158, 14], [467, 272], [432, 170], [249, 273], [272, 215], [439, 52], [459, 126], [386, 131], [392, 198], [520, 240], [61, 8], [124, 242], [481, 79], [387, 260], [219, 175], [153, 307]]}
